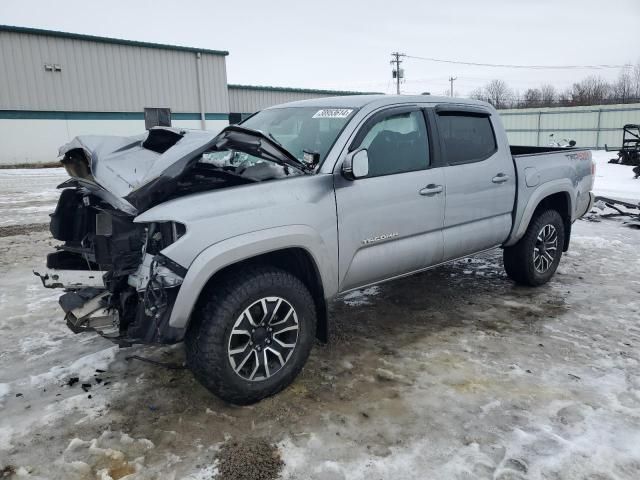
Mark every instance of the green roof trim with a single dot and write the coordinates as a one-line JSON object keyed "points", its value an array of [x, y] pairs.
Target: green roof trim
{"points": [[68, 115], [299, 90], [117, 41]]}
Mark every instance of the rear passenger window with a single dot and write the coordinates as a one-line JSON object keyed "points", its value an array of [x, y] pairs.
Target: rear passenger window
{"points": [[466, 138], [397, 144]]}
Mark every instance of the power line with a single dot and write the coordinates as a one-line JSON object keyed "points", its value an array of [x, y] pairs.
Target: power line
{"points": [[504, 65]]}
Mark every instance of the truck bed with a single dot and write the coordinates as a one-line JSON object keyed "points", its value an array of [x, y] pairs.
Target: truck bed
{"points": [[544, 171]]}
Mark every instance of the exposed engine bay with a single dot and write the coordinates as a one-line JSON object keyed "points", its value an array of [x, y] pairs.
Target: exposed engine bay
{"points": [[117, 282]]}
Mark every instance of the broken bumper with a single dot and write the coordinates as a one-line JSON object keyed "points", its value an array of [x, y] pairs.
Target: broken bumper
{"points": [[72, 278], [116, 280]]}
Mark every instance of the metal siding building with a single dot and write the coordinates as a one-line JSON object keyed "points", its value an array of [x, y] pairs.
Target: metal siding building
{"points": [[590, 126], [56, 85], [248, 99], [104, 75]]}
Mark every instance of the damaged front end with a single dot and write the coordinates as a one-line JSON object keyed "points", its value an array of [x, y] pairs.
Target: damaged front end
{"points": [[116, 280]]}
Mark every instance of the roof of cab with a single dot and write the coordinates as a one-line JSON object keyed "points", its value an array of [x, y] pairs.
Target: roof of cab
{"points": [[359, 101]]}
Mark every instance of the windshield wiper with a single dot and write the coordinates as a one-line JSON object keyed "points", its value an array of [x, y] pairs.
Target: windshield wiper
{"points": [[274, 139], [255, 142]]}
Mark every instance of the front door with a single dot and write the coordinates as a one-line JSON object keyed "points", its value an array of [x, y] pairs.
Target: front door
{"points": [[390, 222]]}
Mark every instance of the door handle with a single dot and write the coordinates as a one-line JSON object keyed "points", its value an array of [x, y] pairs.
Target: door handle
{"points": [[431, 189], [500, 178]]}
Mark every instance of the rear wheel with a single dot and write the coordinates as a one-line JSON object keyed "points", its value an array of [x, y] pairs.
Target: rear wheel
{"points": [[252, 334], [535, 258]]}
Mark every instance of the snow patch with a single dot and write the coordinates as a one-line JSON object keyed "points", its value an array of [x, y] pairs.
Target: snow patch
{"points": [[112, 455], [4, 390], [358, 298], [84, 367], [206, 473], [5, 438], [614, 181], [596, 242]]}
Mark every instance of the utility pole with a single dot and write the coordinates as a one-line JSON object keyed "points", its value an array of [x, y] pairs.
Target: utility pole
{"points": [[451, 79], [397, 72]]}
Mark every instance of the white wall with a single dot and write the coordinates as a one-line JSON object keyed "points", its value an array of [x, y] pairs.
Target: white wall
{"points": [[590, 126], [37, 141]]}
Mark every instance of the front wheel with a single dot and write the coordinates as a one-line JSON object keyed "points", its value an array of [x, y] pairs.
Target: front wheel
{"points": [[534, 259], [251, 334]]}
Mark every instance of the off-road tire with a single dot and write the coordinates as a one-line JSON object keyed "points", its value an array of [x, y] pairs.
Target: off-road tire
{"points": [[207, 337], [518, 259]]}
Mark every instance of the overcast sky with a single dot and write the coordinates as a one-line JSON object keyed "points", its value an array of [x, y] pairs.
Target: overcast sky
{"points": [[342, 44]]}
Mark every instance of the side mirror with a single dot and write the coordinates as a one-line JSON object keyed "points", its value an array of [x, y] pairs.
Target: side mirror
{"points": [[356, 165]]}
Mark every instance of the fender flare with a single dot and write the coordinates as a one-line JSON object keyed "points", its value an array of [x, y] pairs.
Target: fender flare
{"points": [[543, 191], [242, 247]]}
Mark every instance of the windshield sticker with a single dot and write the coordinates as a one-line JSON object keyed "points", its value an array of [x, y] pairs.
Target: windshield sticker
{"points": [[333, 113]]}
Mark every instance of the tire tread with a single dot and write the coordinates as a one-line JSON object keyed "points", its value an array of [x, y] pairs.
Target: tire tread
{"points": [[205, 339], [517, 258]]}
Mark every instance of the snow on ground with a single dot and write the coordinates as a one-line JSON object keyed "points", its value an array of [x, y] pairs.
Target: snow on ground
{"points": [[454, 373], [358, 298], [441, 375], [613, 180], [29, 195]]}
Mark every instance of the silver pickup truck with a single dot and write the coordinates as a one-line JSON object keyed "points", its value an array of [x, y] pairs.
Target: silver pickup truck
{"points": [[235, 242]]}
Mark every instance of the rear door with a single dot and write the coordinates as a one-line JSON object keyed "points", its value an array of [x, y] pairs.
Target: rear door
{"points": [[389, 223], [479, 178]]}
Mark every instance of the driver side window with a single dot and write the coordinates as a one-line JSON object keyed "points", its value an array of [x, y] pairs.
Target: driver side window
{"points": [[397, 144]]}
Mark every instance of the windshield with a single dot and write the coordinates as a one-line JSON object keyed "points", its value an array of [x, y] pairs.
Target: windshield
{"points": [[298, 129]]}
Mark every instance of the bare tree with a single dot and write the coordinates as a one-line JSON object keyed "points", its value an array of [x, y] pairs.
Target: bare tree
{"points": [[623, 89], [635, 80], [478, 94], [548, 95], [532, 98], [516, 100], [498, 93], [590, 91], [447, 93], [565, 97]]}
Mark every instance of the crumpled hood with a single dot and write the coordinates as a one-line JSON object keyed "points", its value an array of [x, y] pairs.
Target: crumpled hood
{"points": [[127, 170]]}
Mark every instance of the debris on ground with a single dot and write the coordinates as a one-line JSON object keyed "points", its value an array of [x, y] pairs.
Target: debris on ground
{"points": [[72, 381], [170, 366], [249, 459], [384, 375], [7, 471], [11, 230]]}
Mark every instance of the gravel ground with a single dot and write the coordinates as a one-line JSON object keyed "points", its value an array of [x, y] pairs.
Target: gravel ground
{"points": [[454, 373]]}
